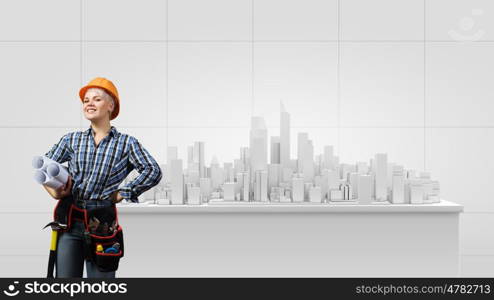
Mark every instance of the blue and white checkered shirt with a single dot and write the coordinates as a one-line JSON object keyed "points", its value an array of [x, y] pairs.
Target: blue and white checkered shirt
{"points": [[97, 171]]}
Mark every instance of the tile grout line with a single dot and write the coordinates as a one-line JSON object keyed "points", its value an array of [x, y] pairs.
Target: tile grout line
{"points": [[50, 212], [425, 85], [316, 127], [81, 61], [252, 79], [338, 80], [166, 85], [254, 41]]}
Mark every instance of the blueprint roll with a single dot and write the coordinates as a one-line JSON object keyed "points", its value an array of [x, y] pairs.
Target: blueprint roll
{"points": [[39, 176], [58, 172], [42, 162], [42, 178], [38, 162], [48, 172]]}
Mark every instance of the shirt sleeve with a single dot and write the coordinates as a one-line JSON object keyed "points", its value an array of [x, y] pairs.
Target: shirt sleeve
{"points": [[148, 169], [60, 152]]}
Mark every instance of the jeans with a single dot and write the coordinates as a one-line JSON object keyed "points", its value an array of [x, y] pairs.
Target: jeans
{"points": [[70, 255]]}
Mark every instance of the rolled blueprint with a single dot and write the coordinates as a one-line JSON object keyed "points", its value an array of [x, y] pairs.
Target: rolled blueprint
{"points": [[38, 162], [41, 178], [42, 162], [48, 172], [58, 172]]}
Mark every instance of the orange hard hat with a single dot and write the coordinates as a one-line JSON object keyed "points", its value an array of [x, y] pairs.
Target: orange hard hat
{"points": [[109, 87]]}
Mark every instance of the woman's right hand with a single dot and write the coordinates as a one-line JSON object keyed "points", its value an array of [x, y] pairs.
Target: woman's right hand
{"points": [[62, 192]]}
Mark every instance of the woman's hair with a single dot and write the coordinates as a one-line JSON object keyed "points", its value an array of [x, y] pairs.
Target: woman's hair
{"points": [[104, 95]]}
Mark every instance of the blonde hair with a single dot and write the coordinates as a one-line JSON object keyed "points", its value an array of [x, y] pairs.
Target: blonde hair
{"points": [[104, 95]]}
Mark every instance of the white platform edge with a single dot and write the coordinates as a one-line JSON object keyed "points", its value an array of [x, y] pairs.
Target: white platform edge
{"points": [[246, 207]]}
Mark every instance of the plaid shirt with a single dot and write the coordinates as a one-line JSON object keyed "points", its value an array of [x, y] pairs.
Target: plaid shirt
{"points": [[97, 171]]}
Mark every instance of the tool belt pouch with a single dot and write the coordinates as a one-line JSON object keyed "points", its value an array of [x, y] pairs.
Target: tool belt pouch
{"points": [[106, 260], [61, 213], [110, 242]]}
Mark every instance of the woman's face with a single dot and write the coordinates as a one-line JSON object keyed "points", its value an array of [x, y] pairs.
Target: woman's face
{"points": [[96, 105]]}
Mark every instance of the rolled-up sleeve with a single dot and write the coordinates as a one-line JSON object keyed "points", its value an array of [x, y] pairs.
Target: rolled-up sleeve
{"points": [[60, 152], [149, 172]]}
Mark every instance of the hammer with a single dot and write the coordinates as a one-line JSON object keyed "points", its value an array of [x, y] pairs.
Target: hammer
{"points": [[55, 226]]}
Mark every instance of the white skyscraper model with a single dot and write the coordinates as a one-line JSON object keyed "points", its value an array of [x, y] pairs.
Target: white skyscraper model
{"points": [[389, 176], [258, 155], [261, 186], [216, 173], [302, 140], [284, 137], [258, 144], [274, 174], [333, 180], [264, 186], [353, 180], [251, 178], [315, 194], [381, 168], [257, 185], [308, 162], [328, 158], [336, 195], [416, 192], [198, 157], [398, 185], [206, 187], [245, 157], [171, 154], [275, 149], [364, 189], [298, 189], [324, 183], [177, 181], [362, 167], [245, 195], [193, 195], [229, 191], [228, 174]]}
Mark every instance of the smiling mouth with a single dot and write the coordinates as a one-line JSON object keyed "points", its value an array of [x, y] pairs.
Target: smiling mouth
{"points": [[90, 110]]}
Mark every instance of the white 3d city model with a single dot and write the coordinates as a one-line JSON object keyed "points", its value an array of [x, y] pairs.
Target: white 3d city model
{"points": [[250, 179]]}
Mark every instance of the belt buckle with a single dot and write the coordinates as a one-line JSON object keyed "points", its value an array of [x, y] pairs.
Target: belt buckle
{"points": [[81, 203]]}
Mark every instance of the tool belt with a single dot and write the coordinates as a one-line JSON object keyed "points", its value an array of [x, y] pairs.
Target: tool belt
{"points": [[103, 246]]}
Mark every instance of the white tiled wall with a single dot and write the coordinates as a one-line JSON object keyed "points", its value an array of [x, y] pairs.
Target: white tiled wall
{"points": [[209, 84], [115, 20], [303, 76], [397, 20], [22, 20], [140, 71], [286, 20], [382, 84], [40, 82], [459, 84], [404, 146], [353, 73], [450, 20], [191, 20]]}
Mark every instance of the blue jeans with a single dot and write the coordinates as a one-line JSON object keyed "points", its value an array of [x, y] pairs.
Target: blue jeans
{"points": [[70, 255]]}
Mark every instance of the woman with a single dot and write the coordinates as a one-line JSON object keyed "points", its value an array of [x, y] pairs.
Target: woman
{"points": [[99, 159]]}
